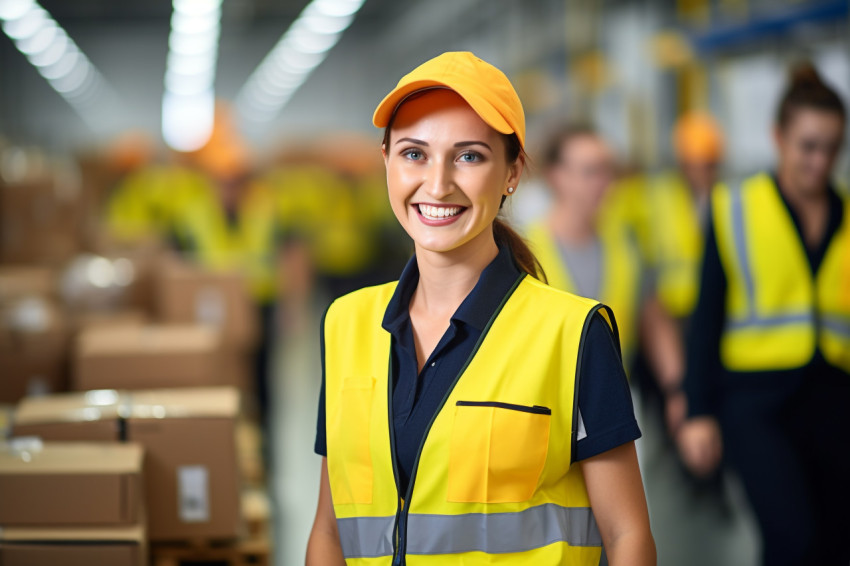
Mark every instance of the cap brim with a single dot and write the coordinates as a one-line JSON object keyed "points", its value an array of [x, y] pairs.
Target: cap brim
{"points": [[387, 107]]}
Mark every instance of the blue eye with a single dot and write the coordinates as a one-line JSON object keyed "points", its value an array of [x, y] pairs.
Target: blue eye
{"points": [[413, 154], [470, 157]]}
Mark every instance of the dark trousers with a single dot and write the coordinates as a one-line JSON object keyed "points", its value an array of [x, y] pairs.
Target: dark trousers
{"points": [[788, 441]]}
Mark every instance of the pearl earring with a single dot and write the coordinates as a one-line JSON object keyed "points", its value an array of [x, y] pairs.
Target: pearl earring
{"points": [[511, 190]]}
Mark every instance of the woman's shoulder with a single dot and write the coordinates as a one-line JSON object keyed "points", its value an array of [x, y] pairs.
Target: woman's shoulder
{"points": [[361, 301], [554, 299]]}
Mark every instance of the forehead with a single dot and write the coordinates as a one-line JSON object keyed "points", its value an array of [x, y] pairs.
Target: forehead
{"points": [[586, 146], [439, 113], [816, 119]]}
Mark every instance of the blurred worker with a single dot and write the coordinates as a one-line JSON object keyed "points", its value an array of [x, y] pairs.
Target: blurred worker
{"points": [[579, 251], [215, 213], [769, 351], [676, 211]]}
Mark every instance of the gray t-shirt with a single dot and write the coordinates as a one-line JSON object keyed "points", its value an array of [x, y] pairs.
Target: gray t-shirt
{"points": [[584, 264]]}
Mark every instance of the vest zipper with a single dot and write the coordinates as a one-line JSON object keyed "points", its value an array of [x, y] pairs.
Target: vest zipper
{"points": [[400, 528], [399, 503]]}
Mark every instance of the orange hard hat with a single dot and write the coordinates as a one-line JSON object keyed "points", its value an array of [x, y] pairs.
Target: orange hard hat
{"points": [[697, 138]]}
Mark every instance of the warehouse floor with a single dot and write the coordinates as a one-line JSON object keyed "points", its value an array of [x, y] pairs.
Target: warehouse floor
{"points": [[689, 527]]}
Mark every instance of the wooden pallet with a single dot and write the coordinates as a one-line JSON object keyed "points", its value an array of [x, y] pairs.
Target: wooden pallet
{"points": [[256, 512], [250, 552]]}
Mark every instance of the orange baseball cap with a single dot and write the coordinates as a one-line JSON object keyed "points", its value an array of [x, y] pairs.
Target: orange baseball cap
{"points": [[484, 87]]}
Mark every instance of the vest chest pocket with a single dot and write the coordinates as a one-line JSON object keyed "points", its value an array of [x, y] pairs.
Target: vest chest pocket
{"points": [[351, 428], [497, 452]]}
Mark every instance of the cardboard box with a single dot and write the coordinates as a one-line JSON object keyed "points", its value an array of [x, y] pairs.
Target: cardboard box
{"points": [[189, 294], [70, 484], [147, 357], [100, 546], [7, 415], [93, 416], [18, 281], [39, 222], [34, 349], [108, 319], [191, 471]]}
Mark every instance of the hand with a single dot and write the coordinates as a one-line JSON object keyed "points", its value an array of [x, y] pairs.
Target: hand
{"points": [[700, 445]]}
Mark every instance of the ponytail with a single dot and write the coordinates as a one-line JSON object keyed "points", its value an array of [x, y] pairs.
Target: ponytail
{"points": [[807, 90], [522, 254], [507, 236]]}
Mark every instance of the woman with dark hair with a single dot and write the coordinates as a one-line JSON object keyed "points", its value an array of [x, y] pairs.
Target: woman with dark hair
{"points": [[769, 352], [449, 415]]}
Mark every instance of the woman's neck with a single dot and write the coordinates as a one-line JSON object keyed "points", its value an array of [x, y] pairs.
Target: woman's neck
{"points": [[811, 208], [446, 278], [572, 225]]}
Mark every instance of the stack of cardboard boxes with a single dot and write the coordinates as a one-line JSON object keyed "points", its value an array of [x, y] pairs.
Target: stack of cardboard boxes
{"points": [[191, 475], [125, 374], [71, 503], [34, 337]]}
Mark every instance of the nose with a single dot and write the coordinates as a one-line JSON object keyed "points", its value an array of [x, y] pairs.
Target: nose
{"points": [[439, 181]]}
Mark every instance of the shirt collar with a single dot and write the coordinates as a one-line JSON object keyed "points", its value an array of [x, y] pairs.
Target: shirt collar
{"points": [[477, 308]]}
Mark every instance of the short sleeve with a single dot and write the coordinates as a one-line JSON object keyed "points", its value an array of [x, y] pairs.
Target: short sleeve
{"points": [[605, 401], [321, 445]]}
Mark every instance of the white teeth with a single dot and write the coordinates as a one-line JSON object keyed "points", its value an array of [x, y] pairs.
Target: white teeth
{"points": [[439, 212]]}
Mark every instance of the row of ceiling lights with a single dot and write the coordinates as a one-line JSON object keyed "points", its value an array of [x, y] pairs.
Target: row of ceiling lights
{"points": [[56, 57], [188, 103]]}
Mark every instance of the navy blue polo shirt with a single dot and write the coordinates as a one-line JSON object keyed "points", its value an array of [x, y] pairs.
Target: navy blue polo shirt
{"points": [[605, 406]]}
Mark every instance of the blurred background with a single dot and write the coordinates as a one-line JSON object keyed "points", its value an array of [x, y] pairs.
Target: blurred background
{"points": [[185, 186]]}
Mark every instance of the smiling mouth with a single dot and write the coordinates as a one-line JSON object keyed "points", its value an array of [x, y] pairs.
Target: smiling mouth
{"points": [[439, 212]]}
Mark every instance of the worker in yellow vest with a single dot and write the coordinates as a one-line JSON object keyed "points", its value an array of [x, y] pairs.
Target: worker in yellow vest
{"points": [[678, 205], [209, 207], [586, 251], [673, 212], [769, 353], [579, 253], [460, 414]]}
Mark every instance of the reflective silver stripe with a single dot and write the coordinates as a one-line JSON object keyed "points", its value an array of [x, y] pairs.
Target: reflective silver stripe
{"points": [[366, 537], [740, 242], [493, 533], [499, 533], [837, 324], [769, 322]]}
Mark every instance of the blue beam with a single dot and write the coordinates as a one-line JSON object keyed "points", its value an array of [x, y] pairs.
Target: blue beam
{"points": [[767, 25]]}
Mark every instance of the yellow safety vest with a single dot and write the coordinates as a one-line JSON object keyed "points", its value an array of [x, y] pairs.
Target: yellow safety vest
{"points": [[247, 246], [676, 244], [493, 481], [335, 217], [141, 207], [621, 277], [777, 314]]}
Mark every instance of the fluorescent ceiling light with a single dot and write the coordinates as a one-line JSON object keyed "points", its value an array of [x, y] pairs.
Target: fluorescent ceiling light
{"points": [[188, 102], [299, 51], [57, 58]]}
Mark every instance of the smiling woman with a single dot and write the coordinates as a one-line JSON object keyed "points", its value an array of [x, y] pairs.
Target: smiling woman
{"points": [[451, 417]]}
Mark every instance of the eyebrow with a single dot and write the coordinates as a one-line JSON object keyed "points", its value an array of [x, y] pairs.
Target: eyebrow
{"points": [[458, 144]]}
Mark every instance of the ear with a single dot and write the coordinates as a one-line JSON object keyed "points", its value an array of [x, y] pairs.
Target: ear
{"points": [[384, 152], [514, 174]]}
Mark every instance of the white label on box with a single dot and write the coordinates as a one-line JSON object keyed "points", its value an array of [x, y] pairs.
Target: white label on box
{"points": [[193, 494]]}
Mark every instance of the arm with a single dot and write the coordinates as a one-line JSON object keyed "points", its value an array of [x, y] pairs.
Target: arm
{"points": [[699, 438], [619, 505], [664, 349], [323, 547]]}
